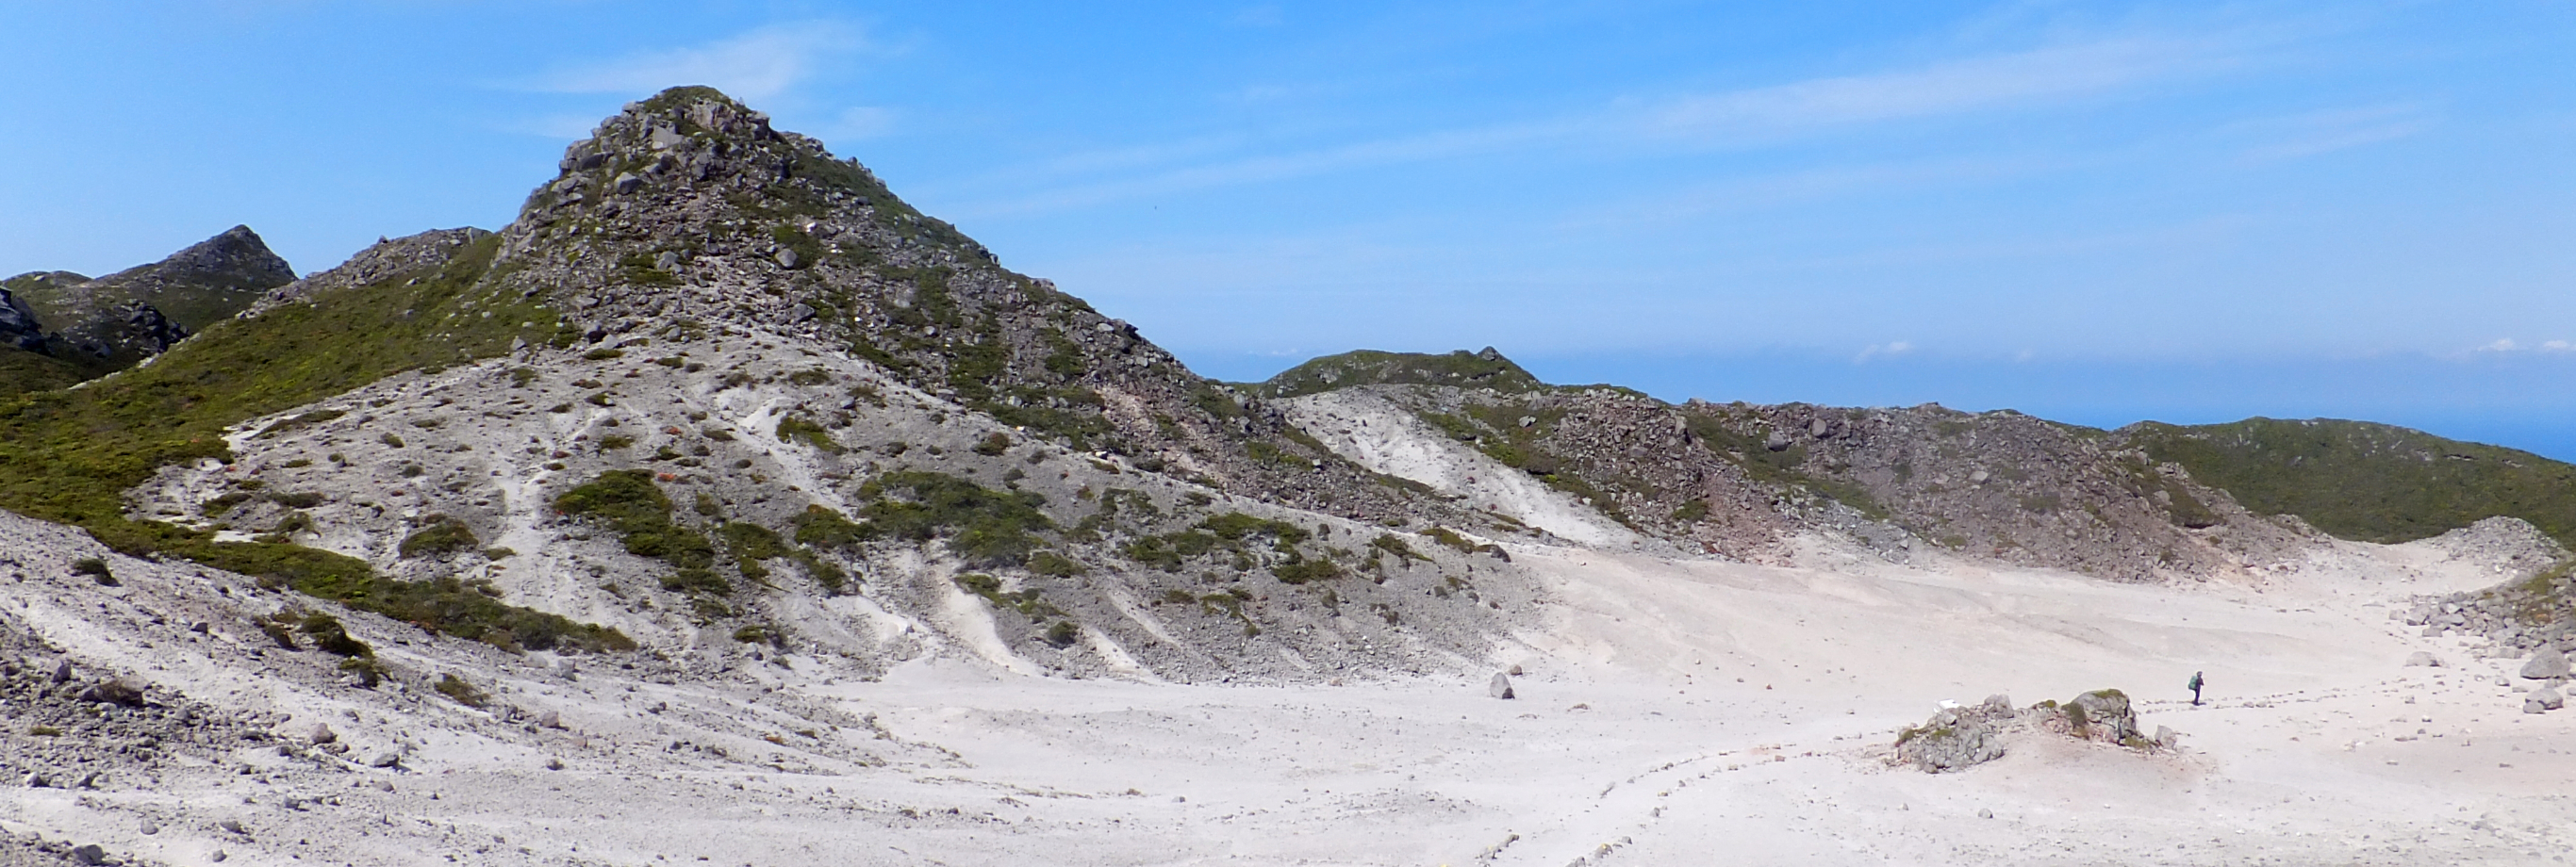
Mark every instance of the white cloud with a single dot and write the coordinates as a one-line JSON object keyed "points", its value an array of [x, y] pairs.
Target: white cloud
{"points": [[2041, 76], [2025, 79], [757, 65], [1883, 350], [2313, 133]]}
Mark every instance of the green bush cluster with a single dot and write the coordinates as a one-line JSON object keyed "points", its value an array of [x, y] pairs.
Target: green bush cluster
{"points": [[984, 527], [640, 514], [441, 535]]}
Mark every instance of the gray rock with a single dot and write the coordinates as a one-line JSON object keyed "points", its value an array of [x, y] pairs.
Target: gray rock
{"points": [[2102, 714], [89, 854], [2167, 737], [667, 259], [1501, 687], [63, 672], [233, 825], [2548, 664], [1979, 477], [550, 720], [1777, 441], [627, 182], [322, 734], [1953, 739], [2543, 700], [786, 258], [149, 828], [2422, 659]]}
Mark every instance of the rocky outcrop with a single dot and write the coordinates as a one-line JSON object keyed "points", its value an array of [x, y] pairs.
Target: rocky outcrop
{"points": [[1960, 737], [18, 325], [111, 322]]}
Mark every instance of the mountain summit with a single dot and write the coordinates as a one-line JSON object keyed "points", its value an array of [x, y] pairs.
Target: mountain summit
{"points": [[688, 208]]}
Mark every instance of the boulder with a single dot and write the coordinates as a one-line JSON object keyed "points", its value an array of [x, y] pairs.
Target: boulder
{"points": [[2542, 701], [1501, 687], [2102, 715], [2548, 664], [1954, 738], [322, 734]]}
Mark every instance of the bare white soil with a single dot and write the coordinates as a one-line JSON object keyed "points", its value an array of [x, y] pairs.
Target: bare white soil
{"points": [[1671, 712]]}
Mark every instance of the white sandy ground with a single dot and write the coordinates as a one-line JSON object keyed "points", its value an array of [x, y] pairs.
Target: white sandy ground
{"points": [[1672, 713]]}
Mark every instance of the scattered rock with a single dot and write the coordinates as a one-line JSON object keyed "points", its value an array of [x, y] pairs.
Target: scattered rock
{"points": [[2421, 659], [322, 734], [89, 854], [1501, 687], [550, 720], [2543, 700], [2548, 664]]}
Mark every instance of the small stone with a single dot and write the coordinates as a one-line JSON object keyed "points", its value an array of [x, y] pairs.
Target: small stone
{"points": [[63, 672], [1985, 814], [627, 182], [233, 825], [1978, 478], [550, 719], [2422, 659], [89, 854], [786, 258], [219, 856], [149, 828], [322, 734], [1501, 687], [2548, 664]]}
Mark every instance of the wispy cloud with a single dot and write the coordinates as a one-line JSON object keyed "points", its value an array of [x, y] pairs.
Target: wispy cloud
{"points": [[757, 65], [1751, 116], [1997, 82], [2313, 133], [1882, 350]]}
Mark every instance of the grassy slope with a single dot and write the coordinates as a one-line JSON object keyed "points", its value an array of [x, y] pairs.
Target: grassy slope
{"points": [[69, 455], [2366, 481], [1371, 367]]}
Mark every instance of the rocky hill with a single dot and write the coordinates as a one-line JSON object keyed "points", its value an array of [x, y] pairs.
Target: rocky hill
{"points": [[1745, 481], [2361, 480], [95, 326], [720, 393]]}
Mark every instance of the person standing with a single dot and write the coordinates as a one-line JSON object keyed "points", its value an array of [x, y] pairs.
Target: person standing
{"points": [[2195, 689]]}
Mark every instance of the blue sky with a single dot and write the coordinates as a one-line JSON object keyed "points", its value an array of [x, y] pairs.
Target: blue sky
{"points": [[2092, 212]]}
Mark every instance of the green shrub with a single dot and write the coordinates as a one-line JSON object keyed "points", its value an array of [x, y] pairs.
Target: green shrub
{"points": [[982, 526], [822, 527], [1063, 633], [443, 535], [1303, 571], [795, 427], [95, 568], [464, 693], [636, 509], [301, 420], [331, 637], [1054, 565], [602, 354], [995, 445]]}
